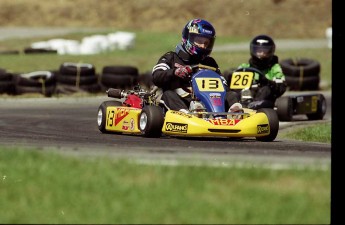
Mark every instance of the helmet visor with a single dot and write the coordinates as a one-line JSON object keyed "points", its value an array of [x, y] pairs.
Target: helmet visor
{"points": [[203, 42], [262, 52]]}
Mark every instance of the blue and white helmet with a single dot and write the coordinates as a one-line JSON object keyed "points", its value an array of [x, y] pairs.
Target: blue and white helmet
{"points": [[196, 29]]}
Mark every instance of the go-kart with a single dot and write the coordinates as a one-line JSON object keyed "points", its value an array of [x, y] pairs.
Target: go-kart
{"points": [[312, 105], [142, 113]]}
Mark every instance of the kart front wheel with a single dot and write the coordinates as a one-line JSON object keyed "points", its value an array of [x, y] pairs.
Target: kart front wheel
{"points": [[151, 121], [102, 114], [273, 123]]}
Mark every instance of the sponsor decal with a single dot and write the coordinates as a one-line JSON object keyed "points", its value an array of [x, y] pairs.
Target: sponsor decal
{"points": [[263, 129], [131, 124], [193, 29], [125, 125], [121, 114], [216, 101], [300, 99], [181, 114], [207, 31], [314, 103], [215, 95], [176, 127], [224, 122], [215, 98]]}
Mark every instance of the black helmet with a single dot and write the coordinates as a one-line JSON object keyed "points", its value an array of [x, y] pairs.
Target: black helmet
{"points": [[198, 30], [262, 47]]}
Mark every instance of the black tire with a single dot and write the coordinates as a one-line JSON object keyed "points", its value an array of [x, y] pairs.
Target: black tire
{"points": [[91, 88], [73, 69], [115, 81], [321, 109], [145, 79], [120, 70], [69, 89], [36, 79], [273, 123], [39, 51], [284, 109], [43, 82], [4, 76], [9, 52], [101, 114], [47, 91], [6, 83], [7, 87], [72, 80], [302, 83], [302, 67], [151, 121], [2, 71]]}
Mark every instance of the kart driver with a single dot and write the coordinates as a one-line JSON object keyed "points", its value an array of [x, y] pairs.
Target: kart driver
{"points": [[173, 70], [262, 49]]}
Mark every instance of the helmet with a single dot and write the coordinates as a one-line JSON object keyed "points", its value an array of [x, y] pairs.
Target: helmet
{"points": [[262, 47], [198, 38]]}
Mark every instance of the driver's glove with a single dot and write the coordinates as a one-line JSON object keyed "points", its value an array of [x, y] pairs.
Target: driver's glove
{"points": [[183, 72]]}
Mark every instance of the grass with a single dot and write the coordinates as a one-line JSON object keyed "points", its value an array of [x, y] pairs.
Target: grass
{"points": [[45, 187], [320, 132], [149, 47]]}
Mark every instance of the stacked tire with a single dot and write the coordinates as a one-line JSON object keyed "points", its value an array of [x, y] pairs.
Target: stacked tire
{"points": [[6, 82], [145, 80], [40, 82], [121, 77], [75, 77], [301, 74]]}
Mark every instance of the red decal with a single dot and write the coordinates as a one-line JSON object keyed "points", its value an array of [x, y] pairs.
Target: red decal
{"points": [[121, 113], [216, 101], [224, 122]]}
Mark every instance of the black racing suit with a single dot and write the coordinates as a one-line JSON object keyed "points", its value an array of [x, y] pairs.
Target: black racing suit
{"points": [[163, 77]]}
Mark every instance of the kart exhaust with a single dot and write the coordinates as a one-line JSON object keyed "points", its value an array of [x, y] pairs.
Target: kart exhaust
{"points": [[114, 93]]}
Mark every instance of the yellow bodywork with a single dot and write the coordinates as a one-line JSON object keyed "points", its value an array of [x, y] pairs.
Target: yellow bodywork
{"points": [[122, 119], [176, 123], [181, 124]]}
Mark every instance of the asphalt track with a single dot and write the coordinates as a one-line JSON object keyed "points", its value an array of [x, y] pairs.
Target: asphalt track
{"points": [[68, 125]]}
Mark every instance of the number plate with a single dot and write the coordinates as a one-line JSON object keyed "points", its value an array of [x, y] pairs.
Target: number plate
{"points": [[210, 84], [241, 80]]}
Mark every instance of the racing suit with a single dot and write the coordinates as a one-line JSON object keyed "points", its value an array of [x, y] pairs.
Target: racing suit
{"points": [[267, 92], [176, 93]]}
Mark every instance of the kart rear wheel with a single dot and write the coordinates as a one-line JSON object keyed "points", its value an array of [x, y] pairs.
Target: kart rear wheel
{"points": [[102, 114], [284, 108], [273, 123], [151, 121], [321, 109]]}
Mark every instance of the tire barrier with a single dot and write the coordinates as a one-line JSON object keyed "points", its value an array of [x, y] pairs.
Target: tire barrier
{"points": [[9, 52], [79, 76], [145, 79], [123, 77], [42, 82], [71, 78], [301, 74], [6, 82], [39, 51]]}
